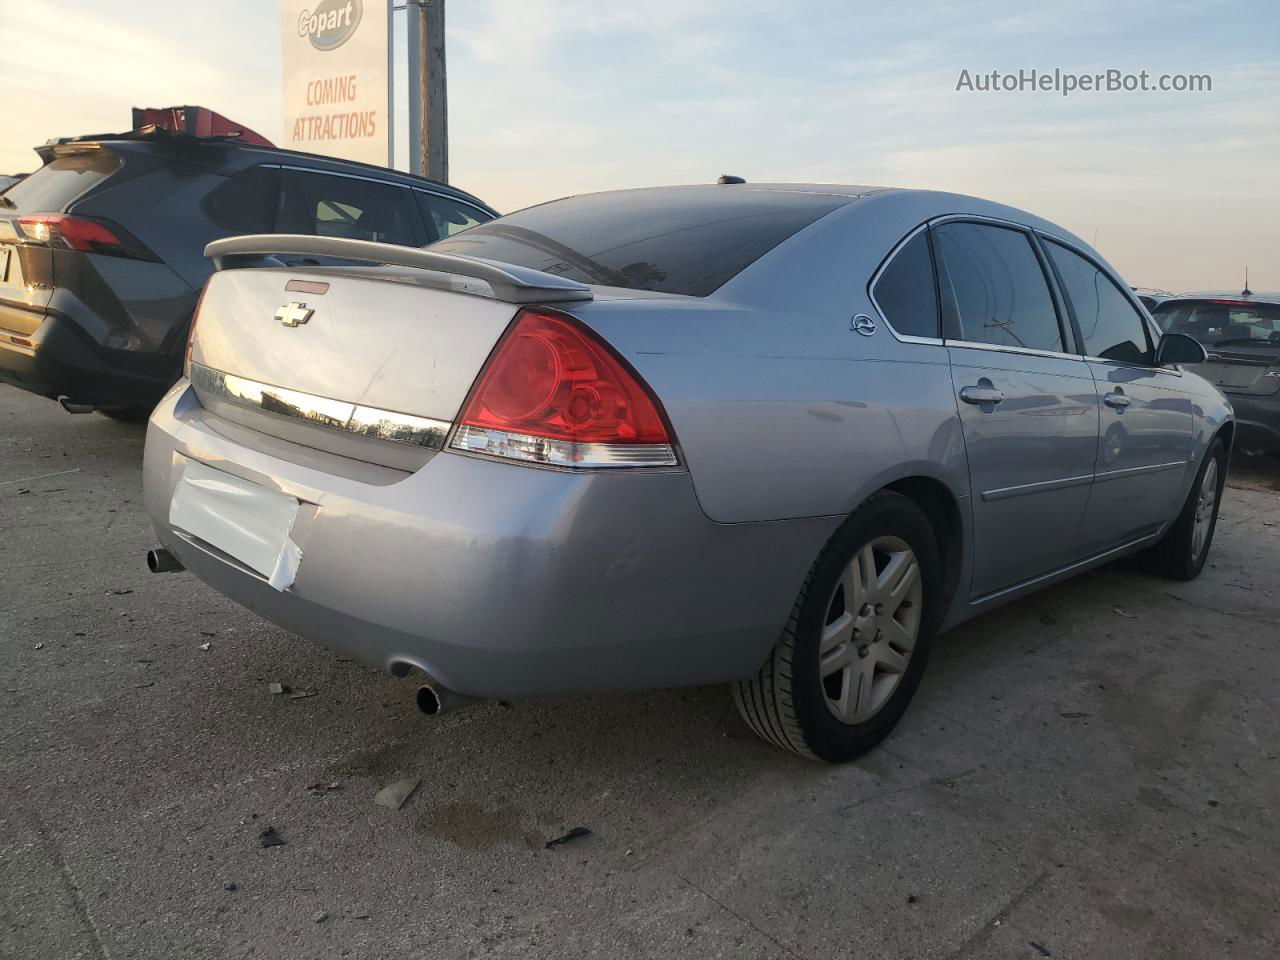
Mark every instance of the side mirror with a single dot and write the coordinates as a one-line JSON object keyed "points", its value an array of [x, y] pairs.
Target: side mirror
{"points": [[1177, 348]]}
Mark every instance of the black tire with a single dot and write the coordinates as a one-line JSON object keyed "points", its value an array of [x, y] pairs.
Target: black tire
{"points": [[785, 702], [1174, 556]]}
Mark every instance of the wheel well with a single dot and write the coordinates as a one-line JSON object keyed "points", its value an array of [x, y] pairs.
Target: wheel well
{"points": [[1228, 434], [943, 512]]}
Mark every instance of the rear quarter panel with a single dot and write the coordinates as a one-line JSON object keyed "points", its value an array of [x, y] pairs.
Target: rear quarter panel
{"points": [[781, 409]]}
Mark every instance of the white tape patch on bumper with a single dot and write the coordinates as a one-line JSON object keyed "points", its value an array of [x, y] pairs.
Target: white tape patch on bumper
{"points": [[242, 519]]}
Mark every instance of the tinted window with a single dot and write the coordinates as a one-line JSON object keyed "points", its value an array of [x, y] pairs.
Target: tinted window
{"points": [[1111, 326], [993, 288], [333, 206], [906, 292], [1218, 321], [51, 188], [447, 217], [684, 240], [245, 202]]}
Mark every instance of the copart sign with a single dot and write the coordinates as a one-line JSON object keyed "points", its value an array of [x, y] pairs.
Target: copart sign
{"points": [[337, 74]]}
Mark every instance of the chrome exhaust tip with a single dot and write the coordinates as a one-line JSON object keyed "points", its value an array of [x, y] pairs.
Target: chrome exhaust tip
{"points": [[161, 560], [434, 700]]}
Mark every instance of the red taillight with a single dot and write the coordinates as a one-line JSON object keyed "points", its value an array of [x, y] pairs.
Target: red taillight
{"points": [[78, 233], [553, 392]]}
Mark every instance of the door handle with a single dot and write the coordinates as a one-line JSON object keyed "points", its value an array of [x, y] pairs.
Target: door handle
{"points": [[981, 395], [1117, 400]]}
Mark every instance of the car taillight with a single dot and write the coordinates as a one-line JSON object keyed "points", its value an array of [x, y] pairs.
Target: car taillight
{"points": [[552, 392], [82, 234], [191, 331]]}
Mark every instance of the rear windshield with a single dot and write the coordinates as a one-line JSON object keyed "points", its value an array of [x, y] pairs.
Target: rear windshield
{"points": [[55, 185], [677, 241], [1215, 322]]}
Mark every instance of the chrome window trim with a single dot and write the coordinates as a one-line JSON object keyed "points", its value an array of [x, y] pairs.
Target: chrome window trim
{"points": [[337, 415], [875, 278], [1001, 348], [389, 183]]}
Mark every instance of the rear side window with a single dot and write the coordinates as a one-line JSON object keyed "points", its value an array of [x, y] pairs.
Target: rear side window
{"points": [[993, 288], [245, 202], [447, 217], [58, 183], [333, 206], [685, 241], [906, 293], [1112, 328]]}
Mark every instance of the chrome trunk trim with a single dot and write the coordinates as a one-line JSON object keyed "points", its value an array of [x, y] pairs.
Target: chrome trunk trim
{"points": [[320, 411]]}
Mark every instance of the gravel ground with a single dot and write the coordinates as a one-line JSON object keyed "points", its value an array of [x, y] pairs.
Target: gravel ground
{"points": [[1092, 772]]}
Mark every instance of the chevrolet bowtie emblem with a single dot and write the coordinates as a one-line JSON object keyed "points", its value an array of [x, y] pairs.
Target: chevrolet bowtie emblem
{"points": [[294, 313]]}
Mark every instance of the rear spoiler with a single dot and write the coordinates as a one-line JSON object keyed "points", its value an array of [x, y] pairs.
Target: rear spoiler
{"points": [[508, 282]]}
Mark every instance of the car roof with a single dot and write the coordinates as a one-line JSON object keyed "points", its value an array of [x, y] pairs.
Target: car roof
{"points": [[311, 160]]}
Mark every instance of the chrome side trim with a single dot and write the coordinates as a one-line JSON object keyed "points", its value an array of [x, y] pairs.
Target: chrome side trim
{"points": [[1145, 468], [1043, 486], [321, 411]]}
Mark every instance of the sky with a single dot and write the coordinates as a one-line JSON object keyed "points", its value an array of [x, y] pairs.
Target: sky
{"points": [[554, 97]]}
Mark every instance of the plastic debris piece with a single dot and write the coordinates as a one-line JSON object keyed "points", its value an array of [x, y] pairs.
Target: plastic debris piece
{"points": [[321, 788], [1075, 715], [320, 916], [278, 688], [1124, 613], [270, 838], [1039, 949], [39, 646], [301, 694], [205, 646], [573, 834], [229, 886], [393, 795]]}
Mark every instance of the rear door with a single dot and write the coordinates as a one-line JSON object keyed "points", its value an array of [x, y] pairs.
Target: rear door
{"points": [[1145, 438], [1028, 407]]}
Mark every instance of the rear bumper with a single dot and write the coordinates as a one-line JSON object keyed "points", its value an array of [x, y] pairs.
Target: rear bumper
{"points": [[499, 580], [63, 361], [1257, 422]]}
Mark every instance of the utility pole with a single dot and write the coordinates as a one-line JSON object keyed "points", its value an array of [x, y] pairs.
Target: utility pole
{"points": [[428, 93]]}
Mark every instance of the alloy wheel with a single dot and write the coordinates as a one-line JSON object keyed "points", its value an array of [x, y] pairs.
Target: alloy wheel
{"points": [[1206, 502], [871, 627]]}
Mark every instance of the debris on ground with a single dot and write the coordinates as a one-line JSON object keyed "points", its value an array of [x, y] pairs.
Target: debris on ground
{"points": [[120, 593], [320, 916], [270, 838], [320, 789], [912, 898], [1124, 613], [205, 646], [1078, 715], [1039, 949], [1048, 619], [393, 795], [278, 688], [573, 834], [301, 694], [229, 886], [39, 646]]}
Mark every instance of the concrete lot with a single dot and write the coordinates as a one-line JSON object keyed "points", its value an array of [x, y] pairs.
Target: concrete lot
{"points": [[1092, 772]]}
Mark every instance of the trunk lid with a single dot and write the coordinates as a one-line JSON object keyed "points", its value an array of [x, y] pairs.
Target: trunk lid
{"points": [[367, 362], [1243, 369]]}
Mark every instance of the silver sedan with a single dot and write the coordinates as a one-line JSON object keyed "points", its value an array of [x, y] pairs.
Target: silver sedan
{"points": [[775, 435]]}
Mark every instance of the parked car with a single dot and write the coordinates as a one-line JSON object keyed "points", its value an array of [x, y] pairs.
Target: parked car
{"points": [[1241, 332], [102, 248], [1151, 297], [7, 180], [772, 435]]}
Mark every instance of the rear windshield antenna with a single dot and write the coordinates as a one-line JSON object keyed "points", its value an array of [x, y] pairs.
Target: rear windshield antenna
{"points": [[1246, 292]]}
